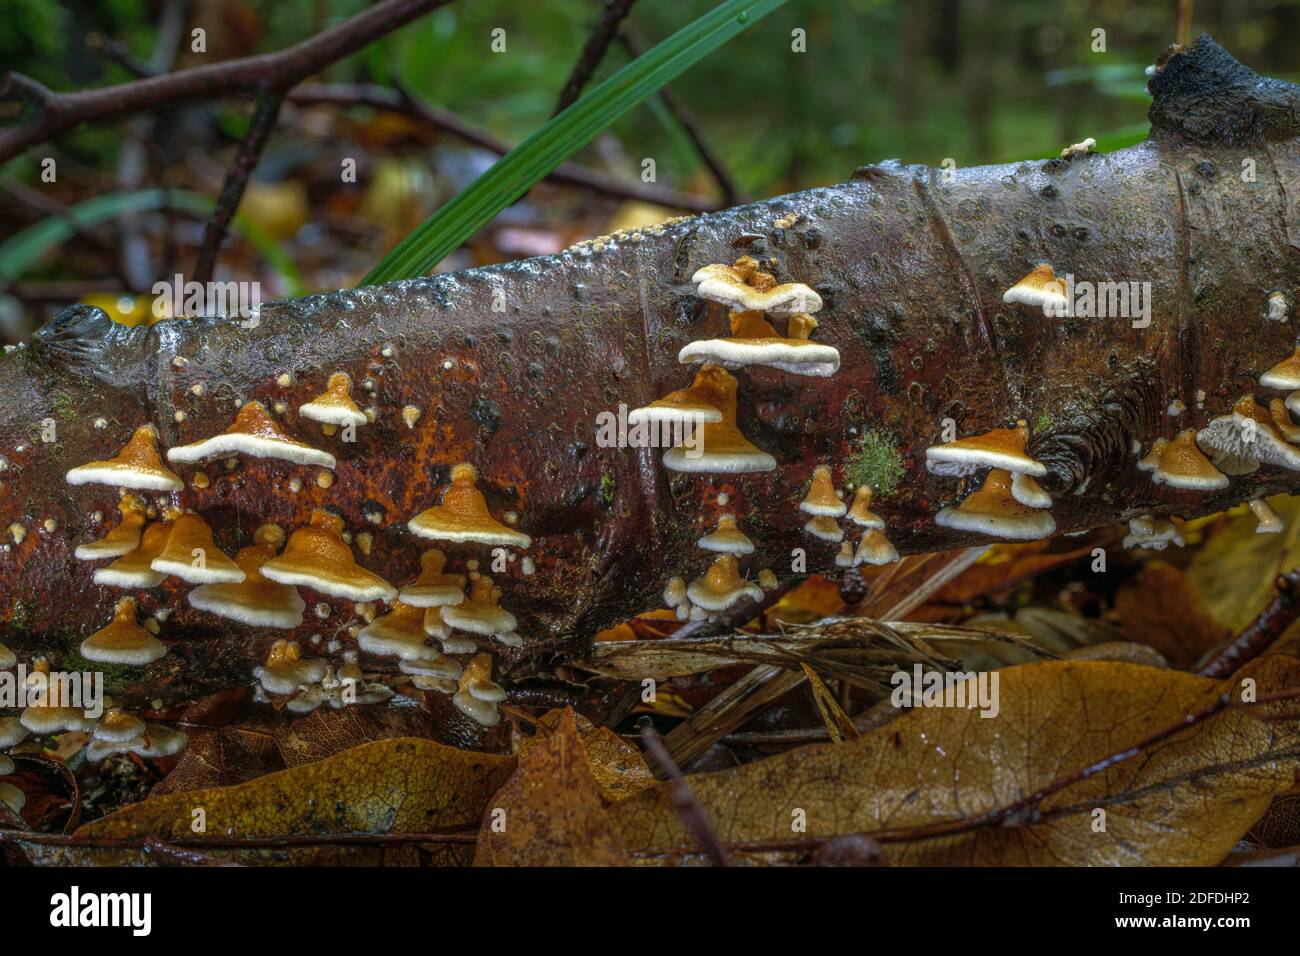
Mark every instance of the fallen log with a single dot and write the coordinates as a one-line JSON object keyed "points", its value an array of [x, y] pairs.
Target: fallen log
{"points": [[507, 367]]}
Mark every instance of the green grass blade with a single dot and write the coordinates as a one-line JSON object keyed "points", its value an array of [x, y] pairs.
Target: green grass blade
{"points": [[24, 250], [520, 169]]}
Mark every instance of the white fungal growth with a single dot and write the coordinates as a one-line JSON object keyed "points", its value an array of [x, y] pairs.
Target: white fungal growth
{"points": [[410, 415], [1270, 522], [1079, 149], [528, 566], [1277, 307]]}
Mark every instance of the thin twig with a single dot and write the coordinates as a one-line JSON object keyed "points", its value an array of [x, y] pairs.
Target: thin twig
{"points": [[265, 111], [54, 113], [593, 51], [1024, 810], [691, 127], [1272, 622], [689, 811], [406, 104]]}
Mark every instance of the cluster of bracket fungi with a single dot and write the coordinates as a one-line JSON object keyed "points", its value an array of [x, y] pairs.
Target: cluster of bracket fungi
{"points": [[258, 587]]}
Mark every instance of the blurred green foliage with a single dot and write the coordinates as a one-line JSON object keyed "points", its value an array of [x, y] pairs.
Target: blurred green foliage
{"points": [[920, 80]]}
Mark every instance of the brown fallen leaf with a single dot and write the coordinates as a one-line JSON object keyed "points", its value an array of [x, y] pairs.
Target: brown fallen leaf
{"points": [[388, 787], [232, 739], [1160, 607], [1187, 800], [549, 813], [618, 767]]}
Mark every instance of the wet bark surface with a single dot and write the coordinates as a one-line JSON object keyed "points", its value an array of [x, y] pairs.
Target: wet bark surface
{"points": [[911, 266]]}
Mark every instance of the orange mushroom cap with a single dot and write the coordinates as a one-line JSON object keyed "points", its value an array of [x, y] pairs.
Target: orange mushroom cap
{"points": [[316, 557], [191, 555], [719, 447], [860, 512], [135, 568], [253, 432], [122, 539], [255, 601], [994, 511], [1183, 465], [1000, 448], [480, 613], [136, 466], [122, 640], [335, 406], [399, 633], [699, 402], [463, 515], [822, 498], [433, 588], [722, 586], [1040, 287], [727, 538]]}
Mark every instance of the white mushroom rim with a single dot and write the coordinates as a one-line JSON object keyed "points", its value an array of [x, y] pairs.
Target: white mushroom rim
{"points": [[804, 358]]}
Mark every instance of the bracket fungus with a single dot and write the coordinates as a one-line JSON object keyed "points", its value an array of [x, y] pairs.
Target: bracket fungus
{"points": [[137, 466], [122, 539], [433, 588], [191, 555], [825, 528], [399, 633], [1282, 419], [135, 568], [122, 640], [698, 403], [480, 613], [722, 586], [860, 512], [255, 601], [335, 406], [999, 448], [1270, 522], [1029, 492], [254, 432], [753, 341], [674, 592], [993, 510], [317, 558], [875, 548], [719, 447], [1285, 374], [286, 669], [822, 498], [154, 740], [727, 538], [1250, 434], [1041, 288], [440, 666], [12, 732], [118, 726], [463, 515], [48, 712], [743, 286], [1152, 533], [478, 696], [1183, 465]]}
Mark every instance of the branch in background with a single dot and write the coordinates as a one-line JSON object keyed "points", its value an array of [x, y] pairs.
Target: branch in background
{"points": [[56, 113], [50, 207], [1261, 633], [686, 120], [406, 104], [265, 112], [602, 35]]}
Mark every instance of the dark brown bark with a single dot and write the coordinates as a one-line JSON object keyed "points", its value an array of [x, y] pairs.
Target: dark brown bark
{"points": [[912, 270]]}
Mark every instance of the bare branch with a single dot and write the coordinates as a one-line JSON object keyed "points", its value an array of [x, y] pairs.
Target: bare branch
{"points": [[55, 113], [689, 811], [593, 51], [265, 112], [406, 104]]}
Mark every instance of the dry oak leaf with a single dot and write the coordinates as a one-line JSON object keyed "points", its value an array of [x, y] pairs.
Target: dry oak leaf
{"points": [[550, 813], [1186, 800], [1161, 608], [406, 785], [618, 768]]}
